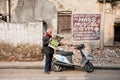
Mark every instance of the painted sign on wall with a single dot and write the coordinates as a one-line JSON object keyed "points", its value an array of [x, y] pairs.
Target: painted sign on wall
{"points": [[86, 27]]}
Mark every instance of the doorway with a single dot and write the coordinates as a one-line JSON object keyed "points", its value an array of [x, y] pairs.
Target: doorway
{"points": [[117, 32]]}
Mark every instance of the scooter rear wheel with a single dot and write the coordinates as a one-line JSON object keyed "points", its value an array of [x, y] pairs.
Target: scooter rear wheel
{"points": [[56, 68], [89, 67]]}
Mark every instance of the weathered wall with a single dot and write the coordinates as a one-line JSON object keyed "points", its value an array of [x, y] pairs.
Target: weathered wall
{"points": [[78, 6], [92, 7], [21, 41], [3, 7], [20, 33], [34, 10], [112, 15]]}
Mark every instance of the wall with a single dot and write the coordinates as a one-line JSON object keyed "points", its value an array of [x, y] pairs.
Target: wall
{"points": [[20, 33], [21, 41], [1, 6], [34, 10], [92, 7], [78, 7], [112, 16]]}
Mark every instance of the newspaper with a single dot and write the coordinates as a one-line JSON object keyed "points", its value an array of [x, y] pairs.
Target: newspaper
{"points": [[55, 41]]}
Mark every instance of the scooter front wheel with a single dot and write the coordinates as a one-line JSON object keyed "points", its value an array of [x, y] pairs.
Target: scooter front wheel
{"points": [[89, 67], [56, 68]]}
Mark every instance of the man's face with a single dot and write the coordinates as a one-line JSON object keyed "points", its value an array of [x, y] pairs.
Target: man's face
{"points": [[50, 32]]}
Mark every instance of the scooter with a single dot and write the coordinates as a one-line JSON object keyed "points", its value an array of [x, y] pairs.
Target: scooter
{"points": [[63, 59]]}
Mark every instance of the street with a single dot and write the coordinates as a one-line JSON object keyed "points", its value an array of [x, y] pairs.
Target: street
{"points": [[38, 74]]}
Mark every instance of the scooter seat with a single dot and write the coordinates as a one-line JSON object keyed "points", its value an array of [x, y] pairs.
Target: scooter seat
{"points": [[67, 53]]}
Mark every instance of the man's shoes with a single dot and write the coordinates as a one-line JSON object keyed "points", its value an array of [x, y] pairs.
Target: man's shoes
{"points": [[47, 72]]}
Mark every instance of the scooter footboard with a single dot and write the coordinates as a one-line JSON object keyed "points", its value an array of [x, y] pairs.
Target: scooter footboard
{"points": [[61, 63]]}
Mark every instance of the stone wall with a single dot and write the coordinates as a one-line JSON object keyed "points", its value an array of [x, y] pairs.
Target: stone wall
{"points": [[20, 52]]}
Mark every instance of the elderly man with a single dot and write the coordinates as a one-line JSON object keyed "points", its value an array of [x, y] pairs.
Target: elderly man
{"points": [[48, 51]]}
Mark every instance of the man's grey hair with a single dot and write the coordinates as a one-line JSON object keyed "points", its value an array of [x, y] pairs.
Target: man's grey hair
{"points": [[48, 30]]}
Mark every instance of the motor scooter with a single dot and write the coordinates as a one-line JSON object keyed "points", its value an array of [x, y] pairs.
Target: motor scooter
{"points": [[63, 59]]}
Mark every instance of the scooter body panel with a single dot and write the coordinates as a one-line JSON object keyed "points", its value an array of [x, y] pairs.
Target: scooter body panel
{"points": [[86, 54], [61, 58]]}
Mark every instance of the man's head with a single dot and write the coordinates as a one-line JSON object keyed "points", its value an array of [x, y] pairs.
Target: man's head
{"points": [[49, 31]]}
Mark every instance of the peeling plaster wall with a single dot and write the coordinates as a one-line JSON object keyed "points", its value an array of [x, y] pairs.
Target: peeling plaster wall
{"points": [[78, 6], [34, 10]]}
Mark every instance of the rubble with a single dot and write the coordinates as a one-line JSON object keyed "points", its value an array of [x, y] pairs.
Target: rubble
{"points": [[106, 56], [109, 55]]}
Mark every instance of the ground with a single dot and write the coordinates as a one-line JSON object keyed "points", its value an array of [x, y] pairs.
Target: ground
{"points": [[38, 74]]}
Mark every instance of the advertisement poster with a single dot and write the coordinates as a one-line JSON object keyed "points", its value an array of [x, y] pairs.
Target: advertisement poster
{"points": [[86, 27]]}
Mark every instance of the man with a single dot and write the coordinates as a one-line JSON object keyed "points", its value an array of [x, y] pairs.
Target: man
{"points": [[48, 51]]}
